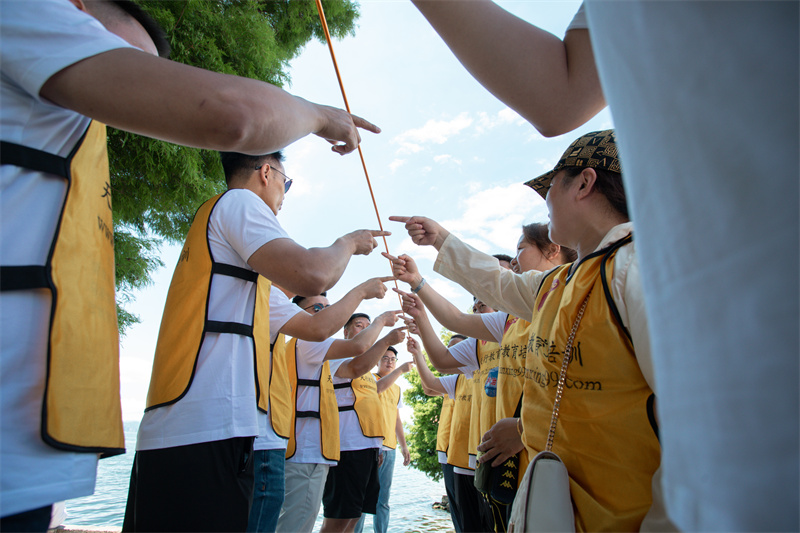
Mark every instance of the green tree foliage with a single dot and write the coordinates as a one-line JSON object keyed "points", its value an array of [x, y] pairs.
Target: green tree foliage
{"points": [[421, 437], [157, 186]]}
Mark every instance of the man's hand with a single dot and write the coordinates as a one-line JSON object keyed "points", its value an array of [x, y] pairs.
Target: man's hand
{"points": [[406, 455], [423, 231], [412, 305], [374, 288], [407, 366], [388, 318], [341, 129], [363, 240], [405, 269], [412, 345], [396, 336], [501, 442]]}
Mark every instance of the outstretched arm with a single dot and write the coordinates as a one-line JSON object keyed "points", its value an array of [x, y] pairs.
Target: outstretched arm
{"points": [[311, 270], [430, 383], [405, 269], [358, 366], [342, 348], [388, 380], [551, 83], [322, 325], [437, 352], [134, 91]]}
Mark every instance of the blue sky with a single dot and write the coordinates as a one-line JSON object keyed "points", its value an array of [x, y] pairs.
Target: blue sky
{"points": [[449, 150]]}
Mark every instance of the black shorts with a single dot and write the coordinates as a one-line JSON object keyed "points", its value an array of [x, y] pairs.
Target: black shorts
{"points": [[198, 487], [352, 486]]}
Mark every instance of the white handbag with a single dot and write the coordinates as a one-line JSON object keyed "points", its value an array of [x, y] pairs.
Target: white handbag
{"points": [[543, 502]]}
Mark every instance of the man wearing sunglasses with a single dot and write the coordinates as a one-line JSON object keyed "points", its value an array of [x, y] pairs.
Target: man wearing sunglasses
{"points": [[193, 468], [390, 398]]}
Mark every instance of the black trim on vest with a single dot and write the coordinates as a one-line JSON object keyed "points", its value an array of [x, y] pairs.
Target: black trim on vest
{"points": [[341, 385], [307, 414], [308, 382], [651, 414], [33, 159], [607, 289], [23, 278], [233, 271], [348, 408], [213, 326]]}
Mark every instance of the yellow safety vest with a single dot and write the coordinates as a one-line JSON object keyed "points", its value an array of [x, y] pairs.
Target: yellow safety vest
{"points": [[81, 409], [488, 356], [510, 381], [282, 388], [604, 433], [327, 409], [458, 449], [445, 418], [367, 405], [185, 323], [390, 401]]}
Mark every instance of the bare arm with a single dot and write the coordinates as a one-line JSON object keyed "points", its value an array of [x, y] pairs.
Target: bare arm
{"points": [[310, 270], [551, 83], [430, 383], [137, 92], [437, 352], [448, 315], [358, 366], [322, 325], [389, 379], [362, 342]]}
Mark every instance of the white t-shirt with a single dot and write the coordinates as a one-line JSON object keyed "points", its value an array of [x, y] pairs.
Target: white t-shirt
{"points": [[350, 435], [449, 384], [467, 355], [37, 40], [310, 358], [281, 309], [705, 102], [221, 401]]}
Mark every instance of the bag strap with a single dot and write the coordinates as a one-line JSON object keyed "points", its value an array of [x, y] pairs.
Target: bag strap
{"points": [[563, 376]]}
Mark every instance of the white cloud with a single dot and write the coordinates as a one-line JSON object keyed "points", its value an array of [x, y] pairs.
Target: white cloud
{"points": [[433, 132], [397, 163], [492, 217], [445, 158]]}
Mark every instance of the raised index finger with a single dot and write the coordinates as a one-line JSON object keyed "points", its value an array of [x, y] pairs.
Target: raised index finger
{"points": [[399, 219], [379, 233], [364, 124], [384, 279]]}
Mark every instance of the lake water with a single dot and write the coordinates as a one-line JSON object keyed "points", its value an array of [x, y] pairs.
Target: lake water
{"points": [[413, 493]]}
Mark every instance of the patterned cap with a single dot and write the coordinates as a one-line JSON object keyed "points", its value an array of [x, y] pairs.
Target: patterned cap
{"points": [[597, 149]]}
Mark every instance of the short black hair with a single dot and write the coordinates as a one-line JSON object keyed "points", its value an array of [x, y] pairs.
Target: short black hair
{"points": [[234, 163], [297, 299], [355, 316], [503, 257], [458, 336], [153, 29], [392, 348]]}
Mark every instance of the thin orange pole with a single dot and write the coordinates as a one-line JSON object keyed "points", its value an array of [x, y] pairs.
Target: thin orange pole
{"points": [[347, 106]]}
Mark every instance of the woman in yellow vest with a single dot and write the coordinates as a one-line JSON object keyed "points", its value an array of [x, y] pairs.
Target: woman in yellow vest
{"points": [[498, 389], [606, 433]]}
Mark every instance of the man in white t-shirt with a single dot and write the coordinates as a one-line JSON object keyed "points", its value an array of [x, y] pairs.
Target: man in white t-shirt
{"points": [[311, 323], [66, 65], [705, 102], [352, 486], [307, 467], [193, 467]]}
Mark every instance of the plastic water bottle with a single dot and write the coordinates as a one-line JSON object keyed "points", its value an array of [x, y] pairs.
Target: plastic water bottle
{"points": [[491, 383]]}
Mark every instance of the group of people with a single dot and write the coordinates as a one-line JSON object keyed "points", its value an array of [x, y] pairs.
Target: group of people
{"points": [[679, 408]]}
